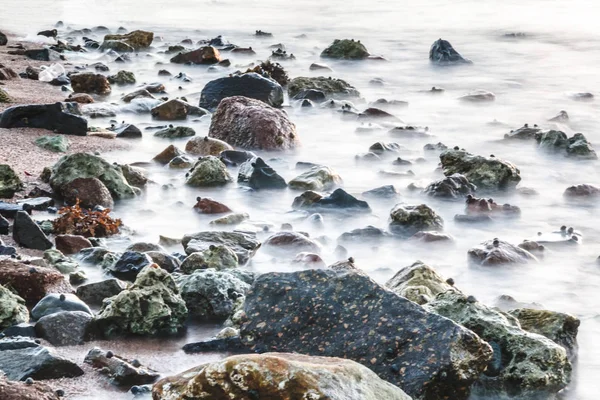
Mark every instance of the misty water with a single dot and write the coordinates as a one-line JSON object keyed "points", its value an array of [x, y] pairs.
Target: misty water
{"points": [[533, 77]]}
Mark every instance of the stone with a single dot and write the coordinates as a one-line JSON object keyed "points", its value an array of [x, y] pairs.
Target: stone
{"points": [[128, 131], [582, 191], [14, 390], [250, 85], [54, 303], [338, 200], [346, 49], [167, 155], [3, 39], [28, 234], [524, 133], [135, 176], [206, 146], [23, 358], [90, 192], [208, 171], [175, 132], [382, 192], [164, 260], [122, 78], [210, 294], [65, 328], [13, 310], [206, 205], [88, 82], [7, 73], [562, 117], [151, 306], [578, 147], [455, 186], [181, 162], [278, 376], [406, 220], [4, 97], [116, 46], [418, 282], [129, 265], [235, 157], [62, 118], [332, 87], [203, 55], [244, 245], [95, 293], [478, 96], [498, 252], [57, 260], [486, 173], [83, 165], [442, 52], [316, 178], [4, 227], [432, 237], [251, 124], [56, 144], [258, 175], [368, 234], [231, 219], [43, 55], [138, 94], [345, 313], [481, 207], [176, 109], [10, 183], [137, 40], [81, 98], [120, 370], [288, 242]]}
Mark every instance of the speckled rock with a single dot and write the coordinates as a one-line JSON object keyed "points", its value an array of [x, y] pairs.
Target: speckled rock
{"points": [[122, 78], [244, 245], [13, 310], [89, 82], [10, 183], [582, 191], [406, 220], [206, 146], [329, 313], [56, 144], [290, 242], [278, 376], [167, 155], [316, 178], [346, 49], [252, 124], [120, 371], [175, 132], [498, 252], [218, 257], [95, 293], [336, 88], [65, 328], [208, 171], [90, 192], [250, 85], [442, 52], [455, 186], [135, 176], [418, 282], [176, 109], [14, 390], [137, 40], [56, 259], [576, 146]]}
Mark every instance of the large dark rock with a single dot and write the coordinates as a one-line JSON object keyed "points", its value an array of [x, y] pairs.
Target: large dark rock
{"points": [[338, 200], [29, 234], [43, 55], [244, 245], [455, 186], [498, 252], [3, 39], [258, 175], [88, 82], [406, 220], [128, 131], [94, 293], [121, 371], [249, 85], [59, 117], [442, 52], [203, 55], [10, 183], [136, 40], [54, 303], [90, 192], [346, 49], [65, 328], [346, 314], [129, 265]]}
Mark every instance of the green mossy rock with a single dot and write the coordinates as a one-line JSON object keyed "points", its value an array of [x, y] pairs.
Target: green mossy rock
{"points": [[13, 310], [122, 78], [9, 182], [406, 220], [317, 178], [56, 144], [208, 171], [218, 257], [418, 282], [336, 88], [346, 49], [137, 40], [175, 132], [59, 261], [4, 97]]}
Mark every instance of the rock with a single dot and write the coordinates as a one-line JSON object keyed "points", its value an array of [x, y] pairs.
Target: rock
{"points": [[56, 144], [442, 52], [122, 78], [211, 294], [164, 260], [477, 206], [523, 133], [10, 183], [382, 192], [250, 123], [455, 186], [206, 205], [181, 162], [54, 303], [258, 175], [205, 146], [81, 98], [128, 131], [406, 220], [57, 260], [338, 200], [129, 265], [90, 192], [94, 293], [559, 327], [3, 39], [12, 390], [203, 55], [578, 147], [58, 117], [286, 242], [138, 94], [250, 85], [218, 257], [22, 358], [88, 82], [167, 155], [121, 371], [574, 147], [28, 234], [346, 49], [582, 191], [418, 282], [478, 96], [321, 312], [176, 109], [336, 88], [432, 236], [278, 376], [272, 70], [43, 55], [244, 245], [137, 40], [235, 157], [208, 171], [143, 247], [151, 306], [175, 132], [498, 252], [231, 219], [562, 117], [116, 46], [65, 328], [4, 97], [135, 176], [83, 165], [486, 173], [7, 73], [535, 362], [12, 309], [32, 283], [316, 178], [368, 234]]}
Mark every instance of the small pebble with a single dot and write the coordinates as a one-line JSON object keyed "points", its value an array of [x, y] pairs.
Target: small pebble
{"points": [[63, 297], [109, 354], [471, 299], [29, 381], [60, 393], [450, 281]]}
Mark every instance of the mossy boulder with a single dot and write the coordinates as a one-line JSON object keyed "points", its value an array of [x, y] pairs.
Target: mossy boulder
{"points": [[13, 310], [122, 78], [217, 257], [4, 97], [10, 183], [83, 165], [151, 306], [418, 282], [346, 49], [336, 88], [175, 132], [316, 178], [56, 144], [406, 219], [208, 171], [56, 259], [137, 40]]}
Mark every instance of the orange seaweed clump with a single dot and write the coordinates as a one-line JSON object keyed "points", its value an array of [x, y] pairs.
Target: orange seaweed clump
{"points": [[75, 220]]}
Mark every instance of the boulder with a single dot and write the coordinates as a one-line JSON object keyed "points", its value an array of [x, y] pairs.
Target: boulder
{"points": [[175, 132], [44, 55], [206, 205], [22, 358], [406, 220], [10, 183], [167, 155], [216, 257], [252, 124], [335, 314], [338, 200], [316, 178], [235, 157], [29, 234], [90, 192], [250, 85], [129, 265], [368, 234], [442, 52], [128, 131], [166, 261], [14, 390], [138, 94], [176, 109], [486, 173], [576, 146], [120, 371], [418, 282], [62, 118], [83, 165], [65, 328], [135, 176], [54, 303], [57, 260], [122, 78], [278, 376], [432, 237], [524, 133], [579, 147], [151, 306], [56, 144], [346, 49], [137, 40], [498, 252], [13, 310], [203, 55], [3, 39], [455, 186], [582, 191], [88, 82], [210, 294], [258, 175], [206, 146], [488, 207], [95, 293], [231, 219], [290, 242], [244, 245], [71, 244], [478, 96], [208, 171], [332, 87]]}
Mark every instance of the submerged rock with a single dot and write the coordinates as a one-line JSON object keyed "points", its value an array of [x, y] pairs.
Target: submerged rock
{"points": [[481, 207], [244, 245], [368, 234], [250, 85], [316, 178], [206, 146], [346, 49], [582, 191], [204, 55], [406, 220], [90, 192], [29, 234], [418, 282], [137, 40], [10, 183], [62, 118], [88, 82], [218, 257], [498, 252], [331, 87], [121, 371], [442, 52], [383, 192], [454, 186], [478, 96], [208, 171], [258, 175]]}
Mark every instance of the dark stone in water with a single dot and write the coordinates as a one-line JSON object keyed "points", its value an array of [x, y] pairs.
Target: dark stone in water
{"points": [[10, 210], [311, 94], [129, 265], [383, 192], [362, 235], [341, 200], [60, 80], [59, 117], [472, 218], [249, 85], [452, 187], [36, 203], [4, 225], [235, 157], [127, 131], [43, 55], [230, 345], [442, 52], [28, 234], [258, 175]]}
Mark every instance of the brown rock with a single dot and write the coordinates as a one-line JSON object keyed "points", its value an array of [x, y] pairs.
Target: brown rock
{"points": [[71, 244], [167, 155], [136, 39], [171, 110], [30, 282], [7, 73], [207, 205], [138, 94], [88, 82], [14, 390], [249, 123], [91, 192], [81, 98], [205, 146], [292, 241], [203, 55]]}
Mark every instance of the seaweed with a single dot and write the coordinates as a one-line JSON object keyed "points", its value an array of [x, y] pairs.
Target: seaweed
{"points": [[75, 220]]}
